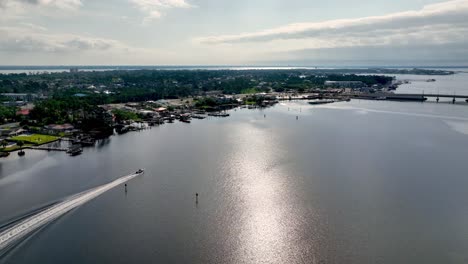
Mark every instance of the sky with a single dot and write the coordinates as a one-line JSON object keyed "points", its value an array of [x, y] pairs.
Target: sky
{"points": [[240, 32]]}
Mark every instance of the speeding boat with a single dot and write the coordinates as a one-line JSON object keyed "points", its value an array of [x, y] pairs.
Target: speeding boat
{"points": [[140, 171]]}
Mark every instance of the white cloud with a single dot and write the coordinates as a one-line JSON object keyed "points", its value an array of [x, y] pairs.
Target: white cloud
{"points": [[21, 10], [29, 39], [155, 8], [33, 26], [25, 45], [62, 4], [444, 22]]}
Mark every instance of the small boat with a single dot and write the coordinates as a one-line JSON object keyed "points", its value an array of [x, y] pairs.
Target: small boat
{"points": [[75, 150], [185, 118], [219, 114], [21, 153], [88, 141], [319, 102], [140, 171]]}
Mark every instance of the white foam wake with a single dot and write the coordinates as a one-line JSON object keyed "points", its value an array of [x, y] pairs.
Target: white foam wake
{"points": [[28, 225]]}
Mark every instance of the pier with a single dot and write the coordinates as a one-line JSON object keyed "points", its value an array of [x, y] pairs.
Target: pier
{"points": [[13, 234], [48, 148]]}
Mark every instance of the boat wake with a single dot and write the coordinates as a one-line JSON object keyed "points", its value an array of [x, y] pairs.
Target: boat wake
{"points": [[16, 232]]}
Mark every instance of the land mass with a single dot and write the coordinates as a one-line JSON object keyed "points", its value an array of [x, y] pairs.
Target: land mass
{"points": [[94, 103]]}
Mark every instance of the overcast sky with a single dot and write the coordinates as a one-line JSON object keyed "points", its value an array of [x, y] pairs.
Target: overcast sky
{"points": [[240, 32]]}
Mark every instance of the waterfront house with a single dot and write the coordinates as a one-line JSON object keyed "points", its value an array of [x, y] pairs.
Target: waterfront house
{"points": [[161, 110], [148, 113], [345, 84], [23, 112], [59, 128], [6, 129]]}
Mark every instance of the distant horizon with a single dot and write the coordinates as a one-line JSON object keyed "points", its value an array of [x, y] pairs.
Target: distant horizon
{"points": [[70, 66]]}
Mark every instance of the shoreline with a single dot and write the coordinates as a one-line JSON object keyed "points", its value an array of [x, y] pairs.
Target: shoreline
{"points": [[185, 113]]}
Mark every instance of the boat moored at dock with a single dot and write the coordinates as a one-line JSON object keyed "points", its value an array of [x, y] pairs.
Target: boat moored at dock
{"points": [[319, 102], [75, 150]]}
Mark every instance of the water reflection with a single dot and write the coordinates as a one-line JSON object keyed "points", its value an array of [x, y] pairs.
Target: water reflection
{"points": [[267, 218], [103, 142]]}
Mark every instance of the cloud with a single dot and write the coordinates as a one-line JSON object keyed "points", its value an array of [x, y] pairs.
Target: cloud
{"points": [[414, 55], [21, 10], [438, 23], [62, 4], [27, 39], [23, 45], [155, 8], [33, 26]]}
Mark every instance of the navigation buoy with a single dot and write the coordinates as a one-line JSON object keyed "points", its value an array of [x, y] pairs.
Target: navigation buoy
{"points": [[297, 117]]}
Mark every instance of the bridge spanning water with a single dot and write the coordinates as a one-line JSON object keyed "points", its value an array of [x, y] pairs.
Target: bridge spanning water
{"points": [[407, 97], [13, 234]]}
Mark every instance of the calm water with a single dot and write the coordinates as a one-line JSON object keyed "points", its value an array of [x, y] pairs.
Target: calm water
{"points": [[447, 84], [358, 182]]}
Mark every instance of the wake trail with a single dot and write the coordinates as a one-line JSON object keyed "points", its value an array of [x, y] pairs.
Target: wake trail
{"points": [[13, 234]]}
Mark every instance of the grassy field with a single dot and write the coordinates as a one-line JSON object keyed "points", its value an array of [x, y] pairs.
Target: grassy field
{"points": [[35, 139]]}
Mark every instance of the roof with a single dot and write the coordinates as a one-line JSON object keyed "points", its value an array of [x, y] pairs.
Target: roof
{"points": [[60, 127], [23, 112]]}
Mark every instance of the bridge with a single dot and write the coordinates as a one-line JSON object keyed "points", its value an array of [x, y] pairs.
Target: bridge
{"points": [[13, 234], [408, 97]]}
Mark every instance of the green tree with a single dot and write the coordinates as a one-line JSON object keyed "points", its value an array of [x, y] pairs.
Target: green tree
{"points": [[122, 115]]}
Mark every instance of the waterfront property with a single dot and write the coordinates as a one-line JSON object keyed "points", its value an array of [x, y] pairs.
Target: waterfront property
{"points": [[345, 84]]}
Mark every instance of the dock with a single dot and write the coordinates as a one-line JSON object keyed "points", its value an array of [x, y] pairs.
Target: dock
{"points": [[48, 148]]}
